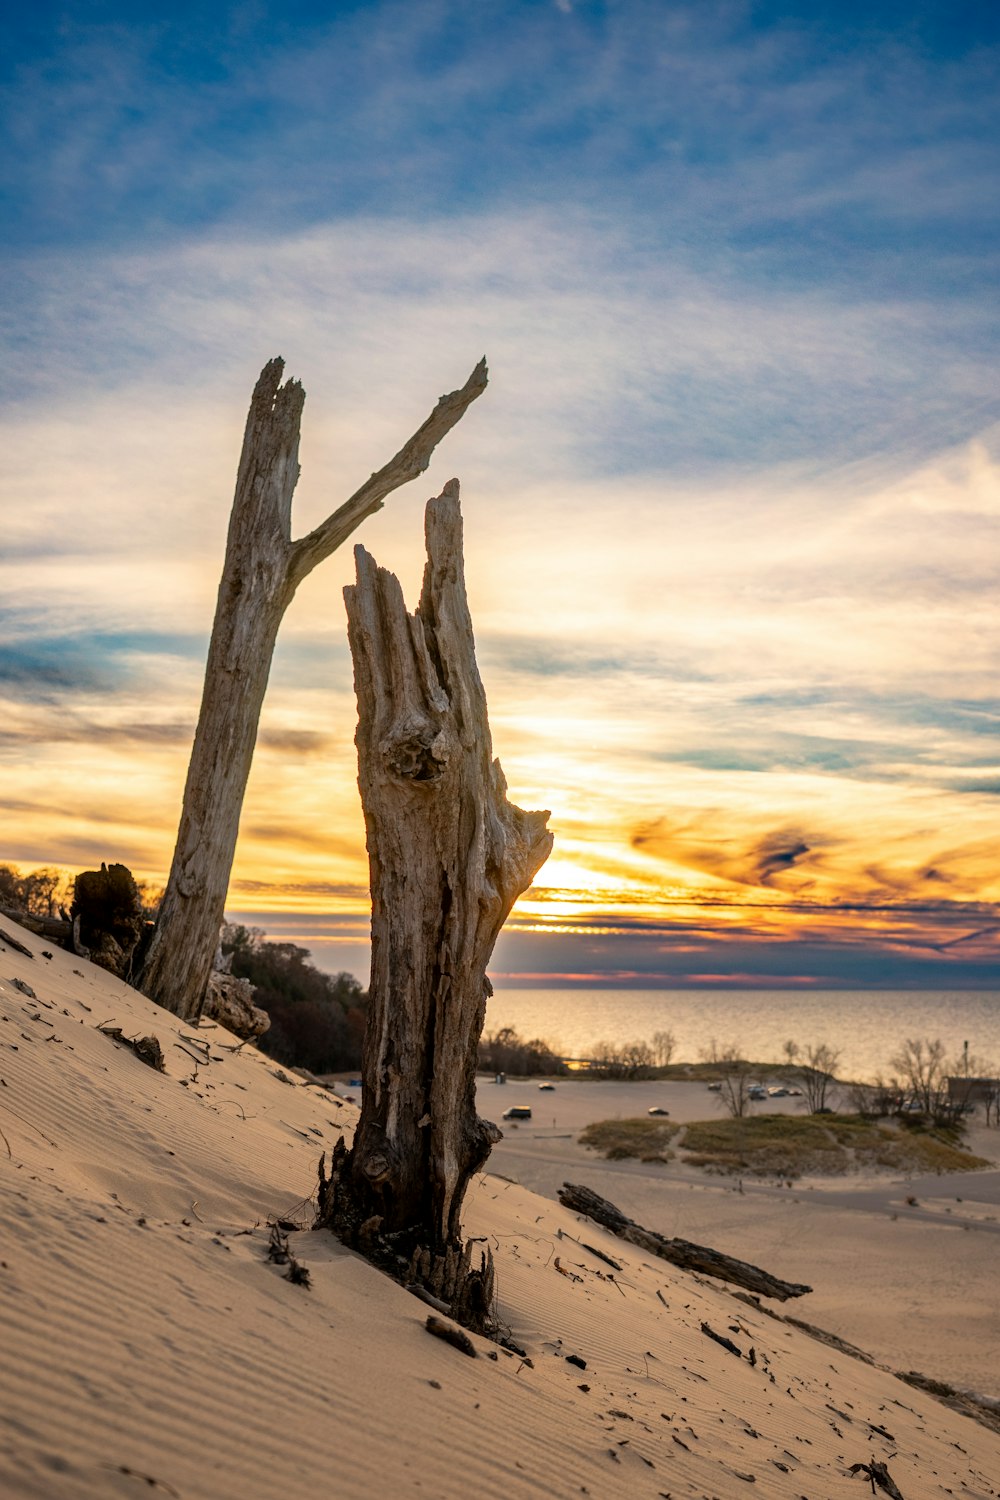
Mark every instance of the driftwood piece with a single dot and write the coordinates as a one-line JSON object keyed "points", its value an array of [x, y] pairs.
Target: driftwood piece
{"points": [[720, 1338], [146, 1048], [878, 1476], [679, 1252], [229, 1001], [15, 943], [262, 570], [54, 929], [449, 855]]}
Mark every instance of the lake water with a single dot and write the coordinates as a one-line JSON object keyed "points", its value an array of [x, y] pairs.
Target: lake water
{"points": [[865, 1026]]}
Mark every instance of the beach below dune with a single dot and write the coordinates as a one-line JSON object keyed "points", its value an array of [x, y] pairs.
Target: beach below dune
{"points": [[911, 1283], [151, 1341]]}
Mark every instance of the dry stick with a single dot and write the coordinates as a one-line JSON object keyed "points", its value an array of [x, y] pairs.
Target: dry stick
{"points": [[720, 1338], [47, 1139], [238, 1106], [615, 1266], [6, 1142], [13, 942], [199, 1062], [679, 1252]]}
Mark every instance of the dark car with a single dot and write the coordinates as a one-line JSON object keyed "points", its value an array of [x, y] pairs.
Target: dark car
{"points": [[517, 1112], [657, 1109]]}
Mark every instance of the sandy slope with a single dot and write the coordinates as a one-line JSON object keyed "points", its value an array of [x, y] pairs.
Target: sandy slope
{"points": [[148, 1347], [916, 1285]]}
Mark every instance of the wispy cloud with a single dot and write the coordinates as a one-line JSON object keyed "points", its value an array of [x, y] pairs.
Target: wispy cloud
{"points": [[732, 499]]}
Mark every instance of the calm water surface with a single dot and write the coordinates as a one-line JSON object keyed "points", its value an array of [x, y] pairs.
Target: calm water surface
{"points": [[865, 1026]]}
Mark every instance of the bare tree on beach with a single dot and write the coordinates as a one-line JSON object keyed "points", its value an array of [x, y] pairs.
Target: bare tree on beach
{"points": [[664, 1045], [263, 568], [817, 1066], [736, 1078], [921, 1068]]}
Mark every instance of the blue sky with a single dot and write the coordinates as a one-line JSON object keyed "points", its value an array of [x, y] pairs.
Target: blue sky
{"points": [[731, 498]]}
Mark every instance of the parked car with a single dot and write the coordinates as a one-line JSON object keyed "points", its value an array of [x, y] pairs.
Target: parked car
{"points": [[756, 1091], [517, 1112], [778, 1091], [715, 1088], [657, 1109], [546, 1088]]}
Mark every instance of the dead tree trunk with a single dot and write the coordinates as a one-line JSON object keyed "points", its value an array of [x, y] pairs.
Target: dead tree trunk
{"points": [[449, 855], [262, 570]]}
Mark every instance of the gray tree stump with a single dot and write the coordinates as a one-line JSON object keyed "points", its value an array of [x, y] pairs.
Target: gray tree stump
{"points": [[449, 855], [262, 570]]}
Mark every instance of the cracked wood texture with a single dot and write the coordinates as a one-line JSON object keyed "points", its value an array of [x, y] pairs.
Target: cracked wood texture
{"points": [[263, 568], [449, 855]]}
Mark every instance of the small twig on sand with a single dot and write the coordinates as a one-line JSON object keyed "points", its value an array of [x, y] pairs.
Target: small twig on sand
{"points": [[236, 1102], [46, 1138], [148, 1479], [199, 1062], [720, 1338], [615, 1265], [7, 1144], [15, 943], [279, 1253]]}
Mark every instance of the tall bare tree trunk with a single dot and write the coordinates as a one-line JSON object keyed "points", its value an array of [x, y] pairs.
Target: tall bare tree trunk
{"points": [[262, 570], [449, 855]]}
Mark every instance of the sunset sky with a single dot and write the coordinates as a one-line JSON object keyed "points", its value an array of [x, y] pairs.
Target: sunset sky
{"points": [[731, 498]]}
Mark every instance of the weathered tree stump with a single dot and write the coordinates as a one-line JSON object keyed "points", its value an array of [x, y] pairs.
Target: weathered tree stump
{"points": [[449, 855], [262, 570]]}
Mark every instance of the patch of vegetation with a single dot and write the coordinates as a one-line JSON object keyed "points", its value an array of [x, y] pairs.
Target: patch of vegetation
{"points": [[790, 1146], [506, 1051], [642, 1138], [39, 893], [317, 1019]]}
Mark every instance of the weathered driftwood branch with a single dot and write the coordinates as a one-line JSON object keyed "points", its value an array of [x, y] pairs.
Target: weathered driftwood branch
{"points": [[449, 855], [52, 928], [679, 1252], [262, 570], [13, 942]]}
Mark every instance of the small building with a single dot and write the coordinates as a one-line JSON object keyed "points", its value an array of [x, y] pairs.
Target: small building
{"points": [[963, 1090]]}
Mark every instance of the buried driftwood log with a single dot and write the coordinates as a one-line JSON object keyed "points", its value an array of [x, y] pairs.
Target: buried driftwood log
{"points": [[262, 570], [448, 855], [679, 1252]]}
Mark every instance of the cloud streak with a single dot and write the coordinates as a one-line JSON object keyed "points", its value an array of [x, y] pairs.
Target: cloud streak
{"points": [[732, 500]]}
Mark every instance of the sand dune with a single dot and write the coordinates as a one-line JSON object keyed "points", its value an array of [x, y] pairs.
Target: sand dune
{"points": [[147, 1346], [913, 1283]]}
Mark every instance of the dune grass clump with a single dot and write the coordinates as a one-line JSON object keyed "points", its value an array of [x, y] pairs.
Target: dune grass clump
{"points": [[792, 1146], [642, 1139]]}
